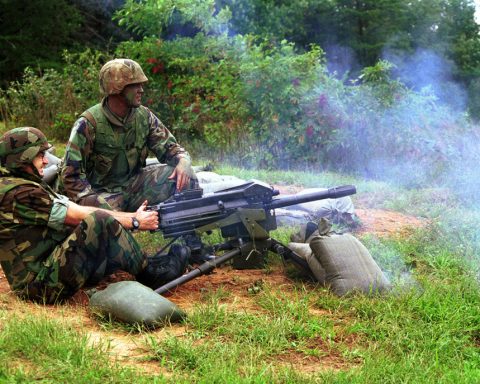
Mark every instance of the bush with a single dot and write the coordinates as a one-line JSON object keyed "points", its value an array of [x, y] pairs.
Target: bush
{"points": [[51, 100], [260, 104]]}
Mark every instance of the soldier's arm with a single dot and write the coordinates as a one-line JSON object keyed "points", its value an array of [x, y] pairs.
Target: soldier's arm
{"points": [[34, 206], [163, 144], [167, 150], [28, 205], [148, 220], [73, 173]]}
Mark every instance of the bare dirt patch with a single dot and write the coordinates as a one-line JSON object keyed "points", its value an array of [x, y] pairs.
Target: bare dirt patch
{"points": [[130, 348], [381, 222]]}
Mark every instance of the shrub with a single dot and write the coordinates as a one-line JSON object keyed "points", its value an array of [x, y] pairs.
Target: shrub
{"points": [[51, 100], [36, 100]]}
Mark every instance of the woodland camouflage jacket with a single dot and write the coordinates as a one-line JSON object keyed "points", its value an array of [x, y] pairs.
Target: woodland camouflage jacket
{"points": [[104, 151], [32, 220]]}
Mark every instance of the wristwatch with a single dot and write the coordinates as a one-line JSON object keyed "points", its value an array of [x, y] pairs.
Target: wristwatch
{"points": [[135, 224]]}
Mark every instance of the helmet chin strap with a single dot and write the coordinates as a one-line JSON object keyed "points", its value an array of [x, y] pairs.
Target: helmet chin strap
{"points": [[35, 172], [128, 102], [119, 104], [28, 170]]}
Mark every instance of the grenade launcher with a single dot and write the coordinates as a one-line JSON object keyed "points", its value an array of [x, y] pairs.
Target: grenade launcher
{"points": [[244, 214]]}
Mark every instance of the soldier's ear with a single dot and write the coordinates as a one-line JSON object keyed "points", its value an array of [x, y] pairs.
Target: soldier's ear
{"points": [[28, 169]]}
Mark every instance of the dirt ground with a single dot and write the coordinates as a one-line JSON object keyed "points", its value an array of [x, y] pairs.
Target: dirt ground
{"points": [[130, 348]]}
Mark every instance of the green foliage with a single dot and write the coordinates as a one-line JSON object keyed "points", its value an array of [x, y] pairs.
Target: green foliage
{"points": [[51, 100], [368, 29], [378, 81], [261, 104], [155, 17], [275, 81], [36, 101], [303, 22], [228, 92]]}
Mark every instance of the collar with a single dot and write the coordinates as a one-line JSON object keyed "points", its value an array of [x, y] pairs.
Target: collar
{"points": [[27, 176], [113, 117]]}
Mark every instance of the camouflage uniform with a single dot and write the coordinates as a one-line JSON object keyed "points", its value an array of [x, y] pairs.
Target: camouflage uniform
{"points": [[105, 156], [42, 258], [47, 261]]}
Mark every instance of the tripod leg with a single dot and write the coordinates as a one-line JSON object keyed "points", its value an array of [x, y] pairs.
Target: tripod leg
{"points": [[287, 254], [202, 269]]}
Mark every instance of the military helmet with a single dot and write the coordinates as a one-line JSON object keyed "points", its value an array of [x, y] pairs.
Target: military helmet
{"points": [[118, 73], [19, 146]]}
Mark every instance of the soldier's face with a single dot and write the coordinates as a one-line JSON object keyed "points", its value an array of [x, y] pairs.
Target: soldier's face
{"points": [[133, 94], [39, 162]]}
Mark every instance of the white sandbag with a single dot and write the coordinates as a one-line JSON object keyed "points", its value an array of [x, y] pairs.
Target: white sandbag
{"points": [[213, 182]]}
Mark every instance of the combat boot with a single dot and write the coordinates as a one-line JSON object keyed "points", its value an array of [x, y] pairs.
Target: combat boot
{"points": [[163, 268]]}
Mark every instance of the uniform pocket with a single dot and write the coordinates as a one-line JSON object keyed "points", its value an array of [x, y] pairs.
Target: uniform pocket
{"points": [[103, 164]]}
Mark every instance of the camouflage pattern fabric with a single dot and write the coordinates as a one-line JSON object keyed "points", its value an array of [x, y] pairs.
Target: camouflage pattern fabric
{"points": [[151, 184], [118, 73], [19, 146], [48, 263], [105, 156]]}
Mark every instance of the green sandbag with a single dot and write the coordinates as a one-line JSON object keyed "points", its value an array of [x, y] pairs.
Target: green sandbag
{"points": [[305, 252], [134, 303], [348, 265]]}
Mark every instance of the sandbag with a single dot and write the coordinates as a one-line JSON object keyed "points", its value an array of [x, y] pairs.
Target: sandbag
{"points": [[305, 252], [134, 303], [305, 233], [348, 265]]}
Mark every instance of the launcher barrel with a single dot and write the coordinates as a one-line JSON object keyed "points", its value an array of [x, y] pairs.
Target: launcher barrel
{"points": [[330, 193]]}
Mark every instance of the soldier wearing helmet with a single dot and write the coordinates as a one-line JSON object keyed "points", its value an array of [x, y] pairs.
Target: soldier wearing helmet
{"points": [[51, 247], [105, 159], [20, 148]]}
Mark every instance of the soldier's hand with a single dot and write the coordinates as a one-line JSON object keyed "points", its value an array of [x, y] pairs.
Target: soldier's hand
{"points": [[183, 172], [148, 219]]}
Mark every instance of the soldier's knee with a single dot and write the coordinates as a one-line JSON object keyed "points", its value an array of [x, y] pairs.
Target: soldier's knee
{"points": [[101, 216], [102, 219]]}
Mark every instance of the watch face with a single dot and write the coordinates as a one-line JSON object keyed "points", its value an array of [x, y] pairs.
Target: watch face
{"points": [[135, 223]]}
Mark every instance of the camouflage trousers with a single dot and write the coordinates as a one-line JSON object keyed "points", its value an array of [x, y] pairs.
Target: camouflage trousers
{"points": [[98, 246], [151, 184]]}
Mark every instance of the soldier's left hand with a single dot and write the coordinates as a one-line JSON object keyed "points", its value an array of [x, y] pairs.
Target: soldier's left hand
{"points": [[183, 172]]}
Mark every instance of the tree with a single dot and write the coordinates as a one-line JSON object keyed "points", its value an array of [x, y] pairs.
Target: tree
{"points": [[34, 33]]}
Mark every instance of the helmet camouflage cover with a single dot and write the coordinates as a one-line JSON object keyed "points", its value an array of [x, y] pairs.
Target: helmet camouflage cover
{"points": [[19, 146], [118, 73]]}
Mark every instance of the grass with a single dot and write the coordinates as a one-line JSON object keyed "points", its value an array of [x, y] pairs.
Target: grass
{"points": [[37, 349], [231, 346], [425, 335], [426, 331]]}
